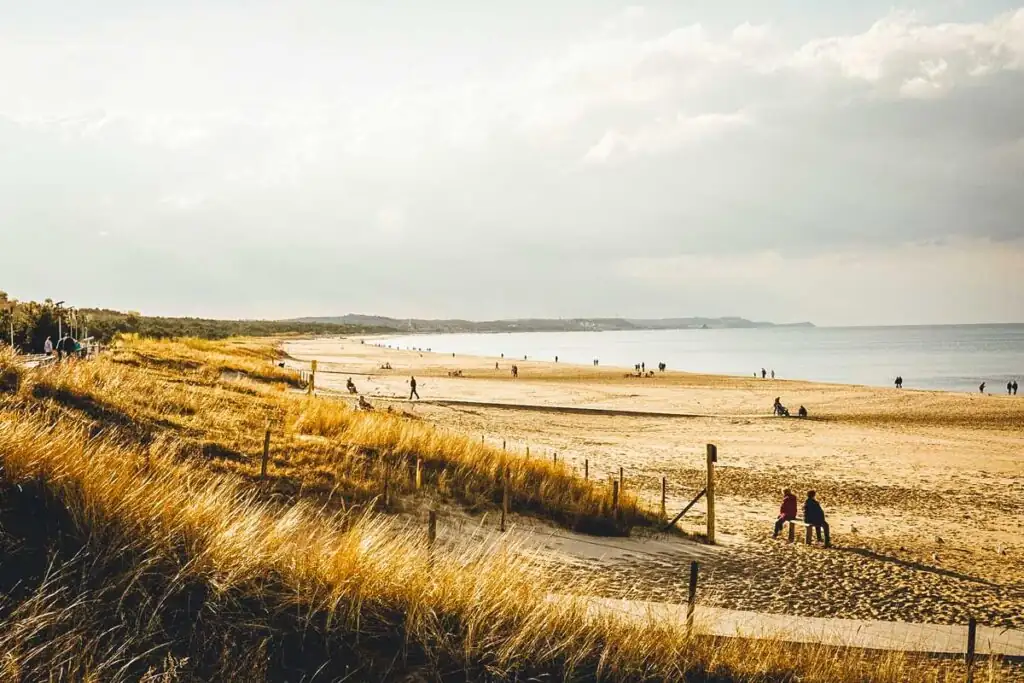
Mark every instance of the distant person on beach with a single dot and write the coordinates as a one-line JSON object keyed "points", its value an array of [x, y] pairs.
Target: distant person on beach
{"points": [[364, 404], [351, 386], [899, 382], [643, 367], [515, 371], [814, 516], [1014, 387], [412, 388], [1009, 388], [981, 387], [495, 365], [802, 412], [787, 512], [48, 348], [773, 374], [764, 373], [556, 359], [661, 367]]}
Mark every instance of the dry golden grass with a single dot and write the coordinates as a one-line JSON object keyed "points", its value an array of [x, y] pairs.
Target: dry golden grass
{"points": [[157, 530], [219, 397], [135, 561]]}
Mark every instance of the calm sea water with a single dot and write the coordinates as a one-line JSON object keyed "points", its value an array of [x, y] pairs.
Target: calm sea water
{"points": [[956, 358]]}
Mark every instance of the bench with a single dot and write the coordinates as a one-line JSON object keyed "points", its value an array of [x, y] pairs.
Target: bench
{"points": [[808, 532]]}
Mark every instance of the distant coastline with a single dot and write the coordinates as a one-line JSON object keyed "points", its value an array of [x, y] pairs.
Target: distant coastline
{"points": [[456, 326]]}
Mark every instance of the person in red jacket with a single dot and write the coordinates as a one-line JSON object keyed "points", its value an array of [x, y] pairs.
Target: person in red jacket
{"points": [[787, 512]]}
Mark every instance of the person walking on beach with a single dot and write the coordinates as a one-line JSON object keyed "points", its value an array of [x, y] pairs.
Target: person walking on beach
{"points": [[773, 373], [899, 382], [412, 388], [1009, 388], [815, 517], [48, 348], [787, 512], [764, 373], [1014, 387], [981, 387]]}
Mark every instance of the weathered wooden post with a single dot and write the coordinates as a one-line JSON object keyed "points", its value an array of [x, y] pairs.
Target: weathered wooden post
{"points": [[419, 473], [504, 497], [266, 453], [664, 514], [972, 633], [712, 459], [312, 377], [527, 452], [554, 458], [691, 597], [586, 468], [503, 444], [621, 488]]}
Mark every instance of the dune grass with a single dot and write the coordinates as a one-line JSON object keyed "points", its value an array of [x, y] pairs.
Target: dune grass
{"points": [[154, 569], [136, 545]]}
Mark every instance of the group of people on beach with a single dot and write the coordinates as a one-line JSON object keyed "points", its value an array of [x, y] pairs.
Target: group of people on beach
{"points": [[1011, 388], [814, 515], [764, 374], [780, 410]]}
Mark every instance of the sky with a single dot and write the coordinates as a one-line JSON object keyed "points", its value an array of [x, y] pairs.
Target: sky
{"points": [[782, 160]]}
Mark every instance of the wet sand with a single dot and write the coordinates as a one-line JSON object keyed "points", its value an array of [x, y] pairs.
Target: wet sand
{"points": [[924, 490]]}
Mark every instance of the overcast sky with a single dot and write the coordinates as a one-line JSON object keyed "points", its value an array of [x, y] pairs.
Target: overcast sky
{"points": [[775, 159]]}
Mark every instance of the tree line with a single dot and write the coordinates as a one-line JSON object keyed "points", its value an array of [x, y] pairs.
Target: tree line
{"points": [[29, 323]]}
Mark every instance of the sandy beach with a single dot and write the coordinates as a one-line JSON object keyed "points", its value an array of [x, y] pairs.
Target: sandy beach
{"points": [[924, 490]]}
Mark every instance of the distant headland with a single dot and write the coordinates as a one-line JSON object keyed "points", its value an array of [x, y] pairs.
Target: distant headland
{"points": [[543, 324]]}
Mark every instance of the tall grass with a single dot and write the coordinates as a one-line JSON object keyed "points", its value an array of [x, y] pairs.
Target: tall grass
{"points": [[219, 396], [177, 574]]}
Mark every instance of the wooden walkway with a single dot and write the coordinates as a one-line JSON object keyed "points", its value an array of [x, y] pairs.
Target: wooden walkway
{"points": [[944, 639]]}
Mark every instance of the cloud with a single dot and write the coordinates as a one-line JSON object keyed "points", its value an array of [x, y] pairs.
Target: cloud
{"points": [[663, 137]]}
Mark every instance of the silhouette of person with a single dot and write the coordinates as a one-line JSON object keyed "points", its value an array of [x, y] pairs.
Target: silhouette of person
{"points": [[1009, 388], [981, 387], [1014, 387], [412, 388], [764, 373], [773, 374]]}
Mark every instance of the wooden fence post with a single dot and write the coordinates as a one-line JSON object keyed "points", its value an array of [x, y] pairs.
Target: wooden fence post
{"points": [[419, 473], [586, 468], [312, 377], [664, 514], [504, 498], [712, 459], [621, 478], [266, 453], [972, 632], [503, 444], [554, 458], [527, 452], [691, 596]]}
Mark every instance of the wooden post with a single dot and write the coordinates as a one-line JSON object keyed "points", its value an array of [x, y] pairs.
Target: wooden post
{"points": [[663, 489], [554, 458], [504, 498], [615, 496], [527, 452], [312, 376], [972, 632], [586, 468], [691, 596], [266, 454], [419, 473], [792, 531], [621, 479], [712, 459], [503, 444]]}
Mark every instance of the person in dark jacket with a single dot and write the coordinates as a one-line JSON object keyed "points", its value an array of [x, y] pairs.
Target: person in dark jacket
{"points": [[815, 516], [787, 512], [412, 388]]}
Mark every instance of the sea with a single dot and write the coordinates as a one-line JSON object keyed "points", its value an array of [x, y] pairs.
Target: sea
{"points": [[946, 357]]}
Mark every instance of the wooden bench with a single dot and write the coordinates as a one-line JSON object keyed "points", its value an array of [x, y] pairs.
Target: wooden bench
{"points": [[808, 532]]}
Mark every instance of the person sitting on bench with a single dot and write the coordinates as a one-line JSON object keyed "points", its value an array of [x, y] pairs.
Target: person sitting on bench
{"points": [[787, 512], [351, 386], [814, 516], [364, 404], [802, 412]]}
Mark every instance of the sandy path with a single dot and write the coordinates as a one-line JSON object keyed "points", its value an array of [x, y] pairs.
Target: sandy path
{"points": [[924, 490]]}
